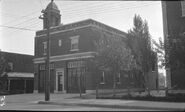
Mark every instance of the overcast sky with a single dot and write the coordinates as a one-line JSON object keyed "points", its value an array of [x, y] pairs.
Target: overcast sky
{"points": [[24, 14]]}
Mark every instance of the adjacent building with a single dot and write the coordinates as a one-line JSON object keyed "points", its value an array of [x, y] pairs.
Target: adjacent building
{"points": [[16, 72], [174, 28]]}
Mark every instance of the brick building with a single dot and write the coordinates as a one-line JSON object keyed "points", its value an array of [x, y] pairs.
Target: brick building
{"points": [[174, 28], [16, 72], [72, 52]]}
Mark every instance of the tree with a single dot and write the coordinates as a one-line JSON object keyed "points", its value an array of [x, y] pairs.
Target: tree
{"points": [[139, 40], [114, 55], [4, 68], [173, 49], [160, 48]]}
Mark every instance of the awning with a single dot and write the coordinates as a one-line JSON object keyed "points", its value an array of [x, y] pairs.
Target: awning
{"points": [[16, 74]]}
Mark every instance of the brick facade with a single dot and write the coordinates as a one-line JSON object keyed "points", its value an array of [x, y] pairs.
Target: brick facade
{"points": [[174, 26]]}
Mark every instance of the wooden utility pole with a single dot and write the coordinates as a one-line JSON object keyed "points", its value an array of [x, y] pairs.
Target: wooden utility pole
{"points": [[46, 16]]}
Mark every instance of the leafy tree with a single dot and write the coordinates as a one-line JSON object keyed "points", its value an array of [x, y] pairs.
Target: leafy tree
{"points": [[173, 49], [114, 55], [159, 48], [139, 40]]}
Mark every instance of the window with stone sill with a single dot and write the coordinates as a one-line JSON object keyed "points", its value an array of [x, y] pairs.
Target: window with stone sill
{"points": [[74, 43], [44, 48]]}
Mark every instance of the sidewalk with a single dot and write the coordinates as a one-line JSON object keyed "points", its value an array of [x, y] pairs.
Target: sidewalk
{"points": [[114, 103]]}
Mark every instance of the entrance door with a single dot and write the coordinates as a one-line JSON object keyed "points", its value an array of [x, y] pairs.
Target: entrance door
{"points": [[60, 80]]}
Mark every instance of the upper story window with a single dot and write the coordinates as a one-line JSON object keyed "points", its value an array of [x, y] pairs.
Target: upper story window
{"points": [[102, 80], [10, 64], [183, 8], [74, 43], [59, 43], [44, 48]]}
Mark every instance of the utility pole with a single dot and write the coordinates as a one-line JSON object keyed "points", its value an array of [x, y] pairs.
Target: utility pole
{"points": [[46, 16]]}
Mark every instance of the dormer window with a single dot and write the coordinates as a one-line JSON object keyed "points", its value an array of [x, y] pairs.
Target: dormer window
{"points": [[74, 43]]}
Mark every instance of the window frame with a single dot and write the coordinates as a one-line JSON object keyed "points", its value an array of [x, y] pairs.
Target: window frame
{"points": [[44, 47], [60, 42], [74, 40], [10, 64], [102, 80]]}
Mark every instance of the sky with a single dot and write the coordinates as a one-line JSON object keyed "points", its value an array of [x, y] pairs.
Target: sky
{"points": [[19, 19]]}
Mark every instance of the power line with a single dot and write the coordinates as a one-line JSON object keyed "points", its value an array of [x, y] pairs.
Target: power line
{"points": [[26, 21], [115, 11], [99, 5], [24, 16], [19, 28], [102, 10], [99, 10]]}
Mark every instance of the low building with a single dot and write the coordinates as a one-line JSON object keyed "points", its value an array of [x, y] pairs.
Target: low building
{"points": [[16, 72]]}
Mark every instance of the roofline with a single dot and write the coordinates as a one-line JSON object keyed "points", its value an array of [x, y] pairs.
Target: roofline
{"points": [[65, 24], [84, 21], [15, 53]]}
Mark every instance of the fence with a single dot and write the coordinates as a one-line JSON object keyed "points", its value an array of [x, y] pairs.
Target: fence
{"points": [[118, 91]]}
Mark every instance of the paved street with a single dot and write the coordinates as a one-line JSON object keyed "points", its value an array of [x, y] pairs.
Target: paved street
{"points": [[43, 107], [69, 102], [29, 102]]}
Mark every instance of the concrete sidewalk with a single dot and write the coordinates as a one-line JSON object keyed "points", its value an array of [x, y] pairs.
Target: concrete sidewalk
{"points": [[115, 103]]}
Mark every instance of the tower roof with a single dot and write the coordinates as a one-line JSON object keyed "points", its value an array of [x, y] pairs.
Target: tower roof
{"points": [[52, 6]]}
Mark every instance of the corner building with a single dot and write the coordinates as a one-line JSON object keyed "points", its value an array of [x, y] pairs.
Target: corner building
{"points": [[72, 52]]}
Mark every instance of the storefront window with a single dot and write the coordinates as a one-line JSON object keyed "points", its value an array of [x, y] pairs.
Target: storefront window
{"points": [[76, 76]]}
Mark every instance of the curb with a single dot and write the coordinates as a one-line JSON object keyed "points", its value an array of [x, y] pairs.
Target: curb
{"points": [[111, 106]]}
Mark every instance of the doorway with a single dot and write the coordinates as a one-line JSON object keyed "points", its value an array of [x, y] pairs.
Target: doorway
{"points": [[60, 80]]}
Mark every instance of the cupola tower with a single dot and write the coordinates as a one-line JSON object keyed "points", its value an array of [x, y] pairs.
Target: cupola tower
{"points": [[54, 15]]}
